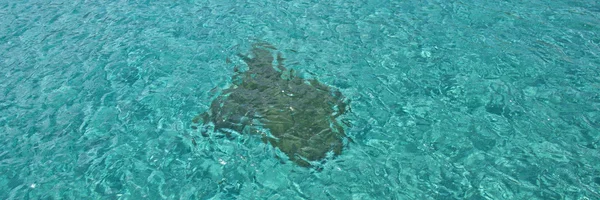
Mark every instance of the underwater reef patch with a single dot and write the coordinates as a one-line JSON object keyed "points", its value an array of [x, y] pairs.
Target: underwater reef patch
{"points": [[298, 116]]}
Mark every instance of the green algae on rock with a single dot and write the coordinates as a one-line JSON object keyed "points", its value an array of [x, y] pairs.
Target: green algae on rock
{"points": [[298, 116]]}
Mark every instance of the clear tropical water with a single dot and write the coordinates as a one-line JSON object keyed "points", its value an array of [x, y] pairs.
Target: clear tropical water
{"points": [[449, 99]]}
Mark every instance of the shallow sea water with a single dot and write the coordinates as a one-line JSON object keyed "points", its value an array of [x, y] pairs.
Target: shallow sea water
{"points": [[449, 99]]}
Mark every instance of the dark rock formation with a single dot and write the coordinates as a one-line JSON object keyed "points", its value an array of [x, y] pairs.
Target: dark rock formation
{"points": [[296, 115]]}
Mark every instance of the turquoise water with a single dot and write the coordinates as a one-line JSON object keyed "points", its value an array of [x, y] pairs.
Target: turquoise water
{"points": [[449, 99]]}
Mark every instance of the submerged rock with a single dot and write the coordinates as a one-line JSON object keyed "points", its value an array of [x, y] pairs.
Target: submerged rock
{"points": [[298, 116]]}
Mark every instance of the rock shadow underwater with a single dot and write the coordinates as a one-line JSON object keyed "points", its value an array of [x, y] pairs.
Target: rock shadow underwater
{"points": [[298, 116]]}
